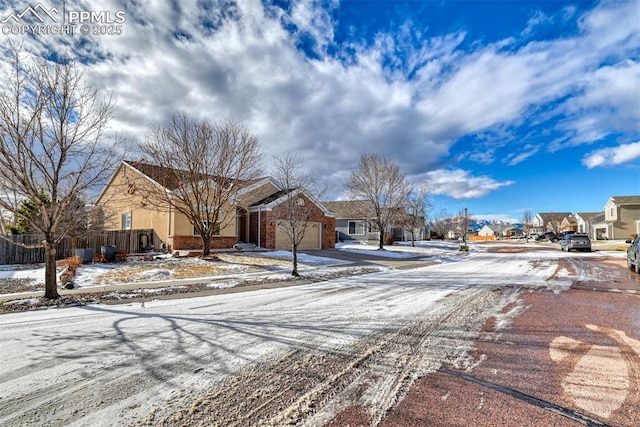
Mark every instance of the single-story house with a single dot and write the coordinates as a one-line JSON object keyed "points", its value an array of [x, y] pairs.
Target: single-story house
{"points": [[500, 231], [125, 204], [351, 225]]}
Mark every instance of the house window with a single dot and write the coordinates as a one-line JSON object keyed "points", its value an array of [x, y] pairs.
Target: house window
{"points": [[126, 221], [216, 231], [356, 227]]}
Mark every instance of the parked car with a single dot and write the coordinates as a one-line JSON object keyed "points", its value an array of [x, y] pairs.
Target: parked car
{"points": [[575, 241], [633, 254], [554, 237]]}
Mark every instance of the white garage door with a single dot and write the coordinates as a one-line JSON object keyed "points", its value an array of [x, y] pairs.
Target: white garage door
{"points": [[311, 239]]}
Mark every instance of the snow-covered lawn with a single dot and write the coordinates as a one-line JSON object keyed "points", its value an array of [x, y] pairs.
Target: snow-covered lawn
{"points": [[240, 265]]}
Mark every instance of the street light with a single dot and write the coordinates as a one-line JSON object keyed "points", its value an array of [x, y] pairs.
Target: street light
{"points": [[466, 226]]}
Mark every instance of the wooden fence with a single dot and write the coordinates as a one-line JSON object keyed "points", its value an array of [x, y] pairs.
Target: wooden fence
{"points": [[132, 241]]}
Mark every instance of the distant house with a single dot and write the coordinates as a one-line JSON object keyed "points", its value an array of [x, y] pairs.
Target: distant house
{"points": [[258, 206], [569, 223], [621, 218], [585, 220], [349, 224], [352, 225], [499, 231], [548, 221]]}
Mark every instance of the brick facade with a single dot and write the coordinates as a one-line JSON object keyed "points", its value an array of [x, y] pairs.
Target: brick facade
{"points": [[268, 227], [195, 242]]}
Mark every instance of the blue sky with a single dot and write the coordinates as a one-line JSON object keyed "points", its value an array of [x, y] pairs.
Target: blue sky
{"points": [[500, 106]]}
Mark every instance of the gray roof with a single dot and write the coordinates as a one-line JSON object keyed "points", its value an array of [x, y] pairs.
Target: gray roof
{"points": [[553, 216], [588, 216], [500, 227], [346, 209], [626, 200]]}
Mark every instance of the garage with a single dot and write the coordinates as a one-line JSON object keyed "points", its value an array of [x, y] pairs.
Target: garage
{"points": [[311, 240]]}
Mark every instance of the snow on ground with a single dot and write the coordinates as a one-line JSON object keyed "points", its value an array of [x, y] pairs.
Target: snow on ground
{"points": [[168, 269], [236, 266], [133, 358], [400, 249]]}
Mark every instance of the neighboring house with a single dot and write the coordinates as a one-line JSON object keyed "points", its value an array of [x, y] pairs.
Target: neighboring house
{"points": [[548, 221], [621, 217], [585, 220], [499, 231], [569, 223], [125, 206], [349, 225], [598, 227], [267, 212]]}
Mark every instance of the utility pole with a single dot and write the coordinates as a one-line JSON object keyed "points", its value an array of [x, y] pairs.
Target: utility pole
{"points": [[466, 226]]}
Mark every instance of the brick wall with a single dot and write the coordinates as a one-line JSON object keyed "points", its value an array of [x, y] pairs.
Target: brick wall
{"points": [[317, 215], [195, 242], [328, 233], [268, 221]]}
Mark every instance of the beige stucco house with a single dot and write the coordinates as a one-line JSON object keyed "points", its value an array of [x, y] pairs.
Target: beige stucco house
{"points": [[126, 203]]}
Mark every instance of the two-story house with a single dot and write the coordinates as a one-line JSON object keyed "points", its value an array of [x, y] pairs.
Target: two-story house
{"points": [[548, 221], [621, 218]]}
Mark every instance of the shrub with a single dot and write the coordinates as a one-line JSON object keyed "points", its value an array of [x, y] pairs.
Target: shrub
{"points": [[71, 263]]}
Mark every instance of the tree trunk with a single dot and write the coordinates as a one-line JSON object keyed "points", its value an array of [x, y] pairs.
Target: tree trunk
{"points": [[381, 244], [294, 257], [206, 246], [50, 281]]}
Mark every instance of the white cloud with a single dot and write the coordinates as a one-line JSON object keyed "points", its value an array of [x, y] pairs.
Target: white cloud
{"points": [[240, 62], [537, 19], [612, 156], [525, 152], [610, 100], [459, 184]]}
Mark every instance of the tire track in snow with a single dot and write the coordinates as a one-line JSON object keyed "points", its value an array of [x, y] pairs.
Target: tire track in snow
{"points": [[309, 387]]}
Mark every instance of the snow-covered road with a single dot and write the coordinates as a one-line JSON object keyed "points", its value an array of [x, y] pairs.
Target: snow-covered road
{"points": [[121, 364]]}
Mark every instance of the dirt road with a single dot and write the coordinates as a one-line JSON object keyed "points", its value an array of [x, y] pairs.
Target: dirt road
{"points": [[408, 347]]}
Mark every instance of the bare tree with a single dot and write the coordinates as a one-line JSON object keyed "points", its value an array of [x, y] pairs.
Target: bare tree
{"points": [[296, 211], [461, 223], [383, 189], [51, 142], [527, 222], [441, 223], [205, 164], [416, 208]]}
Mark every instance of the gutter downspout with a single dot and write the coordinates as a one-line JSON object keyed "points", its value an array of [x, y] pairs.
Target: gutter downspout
{"points": [[169, 224], [259, 209]]}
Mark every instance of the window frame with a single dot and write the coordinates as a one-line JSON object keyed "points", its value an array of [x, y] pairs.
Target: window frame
{"points": [[215, 232], [125, 221], [358, 228]]}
